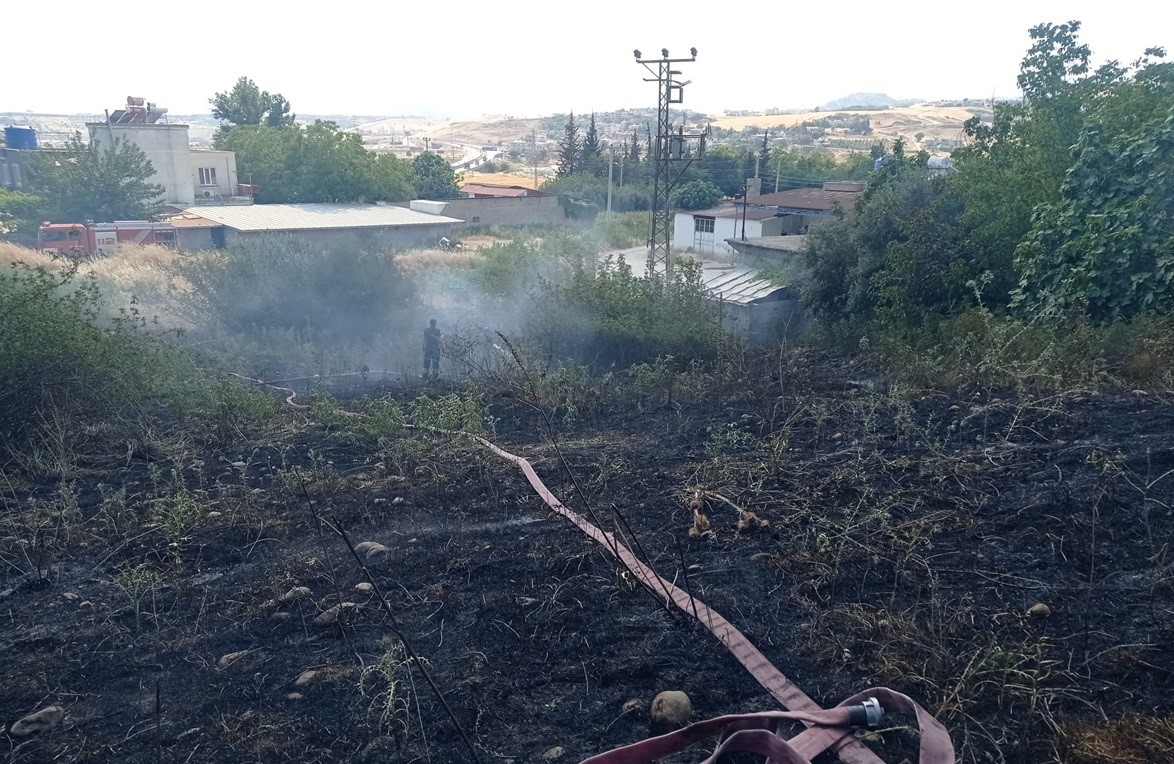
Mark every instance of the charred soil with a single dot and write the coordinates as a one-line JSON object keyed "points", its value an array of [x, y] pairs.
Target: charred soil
{"points": [[1003, 558]]}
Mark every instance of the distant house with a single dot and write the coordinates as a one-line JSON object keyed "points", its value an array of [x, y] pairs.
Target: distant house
{"points": [[498, 191], [764, 215], [355, 226], [188, 176], [705, 231], [800, 208]]}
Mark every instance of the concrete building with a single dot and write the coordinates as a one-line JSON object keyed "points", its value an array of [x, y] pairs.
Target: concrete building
{"points": [[705, 231], [498, 191], [801, 208], [188, 176], [544, 209], [353, 226]]}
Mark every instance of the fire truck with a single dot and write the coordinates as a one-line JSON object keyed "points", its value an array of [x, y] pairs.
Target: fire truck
{"points": [[89, 238]]}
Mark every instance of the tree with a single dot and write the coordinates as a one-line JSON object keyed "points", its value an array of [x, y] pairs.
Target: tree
{"points": [[16, 211], [634, 148], [592, 151], [316, 163], [697, 195], [89, 182], [569, 149], [434, 177], [247, 104]]}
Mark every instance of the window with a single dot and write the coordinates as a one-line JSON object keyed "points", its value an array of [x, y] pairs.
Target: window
{"points": [[207, 176], [703, 225]]}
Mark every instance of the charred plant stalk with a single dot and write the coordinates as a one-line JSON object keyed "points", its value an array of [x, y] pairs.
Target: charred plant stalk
{"points": [[395, 628]]}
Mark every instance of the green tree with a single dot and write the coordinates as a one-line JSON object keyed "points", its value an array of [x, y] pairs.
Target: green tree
{"points": [[434, 178], [591, 156], [697, 195], [247, 104], [16, 209], [87, 181], [569, 148], [315, 163], [1108, 246]]}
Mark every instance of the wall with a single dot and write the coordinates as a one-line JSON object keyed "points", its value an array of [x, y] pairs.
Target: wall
{"points": [[373, 238], [762, 323], [194, 239], [684, 239], [523, 210], [167, 148], [224, 162]]}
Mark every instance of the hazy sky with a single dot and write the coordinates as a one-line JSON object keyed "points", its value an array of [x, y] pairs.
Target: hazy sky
{"points": [[526, 58]]}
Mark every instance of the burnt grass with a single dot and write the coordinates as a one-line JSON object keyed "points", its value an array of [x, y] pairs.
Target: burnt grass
{"points": [[1003, 558]]}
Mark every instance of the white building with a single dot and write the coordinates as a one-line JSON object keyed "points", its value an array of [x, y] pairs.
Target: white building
{"points": [[188, 176], [705, 231]]}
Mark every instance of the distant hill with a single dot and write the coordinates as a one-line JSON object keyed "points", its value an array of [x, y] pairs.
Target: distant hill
{"points": [[867, 101]]}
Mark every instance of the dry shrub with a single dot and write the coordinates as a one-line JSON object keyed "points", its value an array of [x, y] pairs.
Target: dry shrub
{"points": [[421, 262], [748, 521], [1132, 739], [696, 502]]}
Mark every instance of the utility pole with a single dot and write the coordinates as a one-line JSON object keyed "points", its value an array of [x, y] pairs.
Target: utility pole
{"points": [[745, 204], [669, 154], [611, 160]]}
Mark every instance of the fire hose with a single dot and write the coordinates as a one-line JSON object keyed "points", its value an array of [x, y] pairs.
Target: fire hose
{"points": [[828, 729]]}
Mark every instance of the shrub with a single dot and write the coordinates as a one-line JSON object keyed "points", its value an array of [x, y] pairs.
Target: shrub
{"points": [[65, 373], [281, 283]]}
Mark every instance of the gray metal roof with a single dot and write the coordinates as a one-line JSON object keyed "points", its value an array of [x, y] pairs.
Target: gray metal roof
{"points": [[737, 284], [302, 217]]}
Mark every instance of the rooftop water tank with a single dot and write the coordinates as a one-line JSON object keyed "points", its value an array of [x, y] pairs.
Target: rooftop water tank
{"points": [[20, 137]]}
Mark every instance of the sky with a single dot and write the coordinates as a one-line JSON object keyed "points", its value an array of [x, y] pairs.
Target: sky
{"points": [[523, 58]]}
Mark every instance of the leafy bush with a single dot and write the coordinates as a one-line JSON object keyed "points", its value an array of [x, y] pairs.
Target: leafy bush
{"points": [[610, 316], [62, 370]]}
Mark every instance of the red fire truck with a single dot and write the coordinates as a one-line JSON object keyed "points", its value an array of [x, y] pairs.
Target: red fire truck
{"points": [[80, 239]]}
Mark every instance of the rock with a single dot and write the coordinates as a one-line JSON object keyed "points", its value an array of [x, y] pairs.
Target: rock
{"points": [[671, 708], [85, 603], [38, 721], [838, 436], [296, 593], [214, 514], [294, 696], [632, 706], [366, 586], [371, 549], [398, 500], [239, 659], [282, 616], [331, 615], [1039, 610], [71, 596], [554, 753], [307, 677]]}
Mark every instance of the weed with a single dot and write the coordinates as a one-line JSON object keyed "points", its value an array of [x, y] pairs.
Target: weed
{"points": [[382, 683], [138, 583]]}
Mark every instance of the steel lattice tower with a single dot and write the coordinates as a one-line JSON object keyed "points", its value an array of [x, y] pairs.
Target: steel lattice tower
{"points": [[671, 154]]}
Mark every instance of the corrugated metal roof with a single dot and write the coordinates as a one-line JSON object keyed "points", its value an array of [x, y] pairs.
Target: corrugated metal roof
{"points": [[737, 284], [302, 217]]}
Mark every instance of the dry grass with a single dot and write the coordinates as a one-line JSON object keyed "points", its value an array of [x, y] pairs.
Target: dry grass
{"points": [[420, 262], [502, 178], [1132, 739], [148, 274]]}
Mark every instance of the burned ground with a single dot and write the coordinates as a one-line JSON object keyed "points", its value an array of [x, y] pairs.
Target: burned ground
{"points": [[1001, 557]]}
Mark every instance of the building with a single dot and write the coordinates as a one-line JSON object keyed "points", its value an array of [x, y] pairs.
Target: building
{"points": [[752, 307], [498, 191], [705, 231], [801, 208], [188, 176], [535, 209], [20, 143], [354, 226]]}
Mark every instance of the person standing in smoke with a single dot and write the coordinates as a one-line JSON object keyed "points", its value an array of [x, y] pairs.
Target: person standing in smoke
{"points": [[431, 351]]}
